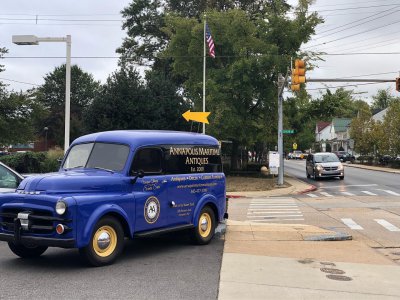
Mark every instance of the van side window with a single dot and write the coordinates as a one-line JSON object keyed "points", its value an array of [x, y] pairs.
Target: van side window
{"points": [[148, 160]]}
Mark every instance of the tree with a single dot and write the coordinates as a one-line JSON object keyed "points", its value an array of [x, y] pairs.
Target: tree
{"points": [[241, 80], [382, 100], [17, 113], [391, 126], [51, 95], [126, 102], [2, 52], [360, 130]]}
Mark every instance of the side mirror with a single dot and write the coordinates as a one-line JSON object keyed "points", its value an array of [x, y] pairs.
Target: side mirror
{"points": [[138, 174]]}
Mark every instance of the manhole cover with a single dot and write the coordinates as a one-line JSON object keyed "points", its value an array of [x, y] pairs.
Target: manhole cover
{"points": [[306, 261], [339, 277], [325, 263], [332, 271]]}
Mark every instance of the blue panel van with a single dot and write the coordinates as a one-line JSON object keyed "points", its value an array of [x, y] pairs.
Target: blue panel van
{"points": [[117, 184]]}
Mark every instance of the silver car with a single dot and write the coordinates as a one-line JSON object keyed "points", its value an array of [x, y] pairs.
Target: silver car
{"points": [[9, 179], [324, 164]]}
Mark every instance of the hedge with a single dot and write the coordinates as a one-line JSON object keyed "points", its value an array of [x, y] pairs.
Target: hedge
{"points": [[33, 162]]}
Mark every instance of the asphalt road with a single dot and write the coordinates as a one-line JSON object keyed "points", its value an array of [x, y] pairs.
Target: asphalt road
{"points": [[356, 181], [168, 267]]}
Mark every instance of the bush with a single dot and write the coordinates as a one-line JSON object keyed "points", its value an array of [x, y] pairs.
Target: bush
{"points": [[395, 164], [33, 162]]}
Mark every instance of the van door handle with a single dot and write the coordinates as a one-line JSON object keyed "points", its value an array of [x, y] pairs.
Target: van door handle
{"points": [[164, 181]]}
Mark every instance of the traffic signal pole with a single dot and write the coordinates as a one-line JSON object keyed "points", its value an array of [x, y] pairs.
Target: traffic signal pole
{"points": [[281, 84]]}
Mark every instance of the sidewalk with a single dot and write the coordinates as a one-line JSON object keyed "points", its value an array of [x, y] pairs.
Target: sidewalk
{"points": [[374, 168], [297, 261]]}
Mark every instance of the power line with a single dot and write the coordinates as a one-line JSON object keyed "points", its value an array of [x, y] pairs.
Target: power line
{"points": [[12, 80], [344, 86], [340, 4], [61, 20], [335, 32], [337, 27], [351, 35], [332, 47], [357, 7]]}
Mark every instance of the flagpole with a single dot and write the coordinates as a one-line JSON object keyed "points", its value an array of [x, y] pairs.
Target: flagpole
{"points": [[204, 72]]}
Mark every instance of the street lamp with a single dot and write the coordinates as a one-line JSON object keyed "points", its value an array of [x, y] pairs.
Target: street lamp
{"points": [[34, 40]]}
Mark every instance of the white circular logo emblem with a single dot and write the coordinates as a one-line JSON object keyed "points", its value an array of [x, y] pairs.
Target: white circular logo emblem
{"points": [[151, 210]]}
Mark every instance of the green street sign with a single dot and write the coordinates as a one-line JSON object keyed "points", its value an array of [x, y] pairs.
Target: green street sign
{"points": [[290, 131]]}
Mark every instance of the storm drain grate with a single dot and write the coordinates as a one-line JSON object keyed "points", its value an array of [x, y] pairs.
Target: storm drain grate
{"points": [[332, 271], [339, 277]]}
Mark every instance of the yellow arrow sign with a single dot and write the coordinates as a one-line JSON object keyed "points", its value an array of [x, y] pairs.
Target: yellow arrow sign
{"points": [[196, 116]]}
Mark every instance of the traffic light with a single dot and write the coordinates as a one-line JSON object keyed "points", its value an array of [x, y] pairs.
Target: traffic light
{"points": [[398, 84], [298, 74]]}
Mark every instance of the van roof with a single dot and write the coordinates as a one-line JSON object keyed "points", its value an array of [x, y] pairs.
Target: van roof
{"points": [[137, 138]]}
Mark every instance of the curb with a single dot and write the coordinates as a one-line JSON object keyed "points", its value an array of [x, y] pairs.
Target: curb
{"points": [[310, 189], [235, 196], [338, 236]]}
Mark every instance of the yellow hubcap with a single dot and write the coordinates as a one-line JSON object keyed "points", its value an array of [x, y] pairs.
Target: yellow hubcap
{"points": [[104, 241], [205, 225]]}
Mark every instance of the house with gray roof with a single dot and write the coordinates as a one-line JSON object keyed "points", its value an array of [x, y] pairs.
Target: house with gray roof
{"points": [[340, 132]]}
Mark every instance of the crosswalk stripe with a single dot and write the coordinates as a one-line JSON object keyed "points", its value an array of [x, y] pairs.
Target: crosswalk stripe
{"points": [[273, 205], [391, 192], [387, 225], [348, 193], [273, 212], [271, 220], [266, 217], [276, 202], [326, 194], [312, 195], [351, 224], [272, 209], [368, 193]]}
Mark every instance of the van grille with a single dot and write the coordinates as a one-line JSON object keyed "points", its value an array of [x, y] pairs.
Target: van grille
{"points": [[330, 168], [40, 221]]}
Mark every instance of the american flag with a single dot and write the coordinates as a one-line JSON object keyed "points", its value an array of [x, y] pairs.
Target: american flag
{"points": [[210, 42]]}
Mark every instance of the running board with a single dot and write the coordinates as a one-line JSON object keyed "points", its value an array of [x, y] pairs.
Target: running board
{"points": [[163, 230]]}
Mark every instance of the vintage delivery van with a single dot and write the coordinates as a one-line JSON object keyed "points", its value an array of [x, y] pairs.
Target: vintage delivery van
{"points": [[115, 185]]}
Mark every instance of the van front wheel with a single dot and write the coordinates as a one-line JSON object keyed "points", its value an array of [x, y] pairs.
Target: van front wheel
{"points": [[26, 251], [205, 229], [106, 243]]}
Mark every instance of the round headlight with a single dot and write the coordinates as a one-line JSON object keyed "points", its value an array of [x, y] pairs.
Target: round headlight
{"points": [[61, 207]]}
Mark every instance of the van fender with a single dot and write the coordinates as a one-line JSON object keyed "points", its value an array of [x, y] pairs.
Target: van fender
{"points": [[206, 199], [97, 214]]}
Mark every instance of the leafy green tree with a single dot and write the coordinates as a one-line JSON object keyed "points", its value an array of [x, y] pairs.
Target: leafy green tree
{"points": [[2, 52], [360, 130], [51, 95], [391, 125], [382, 100], [17, 116], [126, 102], [241, 80]]}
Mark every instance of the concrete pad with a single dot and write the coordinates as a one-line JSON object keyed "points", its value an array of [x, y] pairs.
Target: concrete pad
{"points": [[246, 276]]}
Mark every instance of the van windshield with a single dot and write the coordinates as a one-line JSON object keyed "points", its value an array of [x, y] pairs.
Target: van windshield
{"points": [[97, 156], [322, 158]]}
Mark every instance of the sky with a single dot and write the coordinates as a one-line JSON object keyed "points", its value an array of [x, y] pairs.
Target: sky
{"points": [[351, 27]]}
